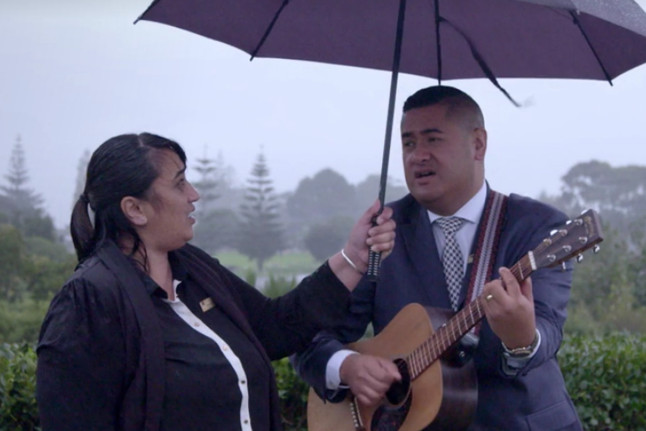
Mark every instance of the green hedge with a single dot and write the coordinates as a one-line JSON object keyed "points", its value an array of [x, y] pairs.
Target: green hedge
{"points": [[18, 409], [606, 377]]}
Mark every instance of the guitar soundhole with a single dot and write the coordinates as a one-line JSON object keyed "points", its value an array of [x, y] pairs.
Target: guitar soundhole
{"points": [[391, 415], [399, 391]]}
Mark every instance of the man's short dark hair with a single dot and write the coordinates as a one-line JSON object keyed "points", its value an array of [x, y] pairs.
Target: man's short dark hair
{"points": [[457, 101]]}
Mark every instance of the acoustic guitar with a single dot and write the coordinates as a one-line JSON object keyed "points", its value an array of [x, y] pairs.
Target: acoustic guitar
{"points": [[438, 386]]}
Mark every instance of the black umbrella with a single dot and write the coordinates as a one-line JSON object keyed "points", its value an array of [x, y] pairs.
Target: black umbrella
{"points": [[443, 39]]}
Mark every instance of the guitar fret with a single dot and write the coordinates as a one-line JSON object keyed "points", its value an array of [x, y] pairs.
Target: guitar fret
{"points": [[419, 365], [445, 338], [415, 363]]}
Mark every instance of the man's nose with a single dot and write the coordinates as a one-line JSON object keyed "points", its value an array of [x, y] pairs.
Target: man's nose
{"points": [[420, 154]]}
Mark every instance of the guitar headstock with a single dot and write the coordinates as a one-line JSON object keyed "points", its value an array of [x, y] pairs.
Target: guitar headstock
{"points": [[568, 241]]}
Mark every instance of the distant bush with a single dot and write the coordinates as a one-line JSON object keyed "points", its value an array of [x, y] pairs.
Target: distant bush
{"points": [[21, 322]]}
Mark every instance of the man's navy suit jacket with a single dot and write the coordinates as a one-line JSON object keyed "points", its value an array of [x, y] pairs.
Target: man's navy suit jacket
{"points": [[535, 398]]}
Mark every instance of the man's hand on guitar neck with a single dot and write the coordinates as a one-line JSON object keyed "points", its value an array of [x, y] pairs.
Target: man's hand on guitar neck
{"points": [[509, 307], [368, 377]]}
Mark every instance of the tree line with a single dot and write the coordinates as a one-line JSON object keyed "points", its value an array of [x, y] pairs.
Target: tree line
{"points": [[609, 290]]}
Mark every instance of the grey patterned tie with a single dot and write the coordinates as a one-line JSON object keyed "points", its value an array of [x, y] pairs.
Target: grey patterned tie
{"points": [[452, 258]]}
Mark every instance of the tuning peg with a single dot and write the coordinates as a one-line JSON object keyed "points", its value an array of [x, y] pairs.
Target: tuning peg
{"points": [[563, 266], [553, 232], [579, 258], [596, 249]]}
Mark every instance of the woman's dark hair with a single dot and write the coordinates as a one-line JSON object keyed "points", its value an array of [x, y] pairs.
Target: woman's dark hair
{"points": [[122, 166]]}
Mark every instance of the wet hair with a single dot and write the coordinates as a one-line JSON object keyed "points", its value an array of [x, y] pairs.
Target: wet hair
{"points": [[460, 104], [125, 165]]}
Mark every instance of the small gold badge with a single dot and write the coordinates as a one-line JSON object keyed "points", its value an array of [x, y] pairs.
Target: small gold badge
{"points": [[206, 304]]}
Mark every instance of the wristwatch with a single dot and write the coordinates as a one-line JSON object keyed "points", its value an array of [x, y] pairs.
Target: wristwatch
{"points": [[521, 352]]}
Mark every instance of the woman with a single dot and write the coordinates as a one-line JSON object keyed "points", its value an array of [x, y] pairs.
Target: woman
{"points": [[151, 333]]}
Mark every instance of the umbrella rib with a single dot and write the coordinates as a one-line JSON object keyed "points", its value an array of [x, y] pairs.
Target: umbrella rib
{"points": [[269, 29], [438, 43], [587, 40], [481, 62]]}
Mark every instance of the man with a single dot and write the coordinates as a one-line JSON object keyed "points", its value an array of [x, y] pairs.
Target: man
{"points": [[519, 383]]}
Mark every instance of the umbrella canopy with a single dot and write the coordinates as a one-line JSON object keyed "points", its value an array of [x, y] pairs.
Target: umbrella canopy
{"points": [[443, 39], [448, 39]]}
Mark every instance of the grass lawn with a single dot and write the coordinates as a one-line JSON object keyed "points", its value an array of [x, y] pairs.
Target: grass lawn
{"points": [[287, 264]]}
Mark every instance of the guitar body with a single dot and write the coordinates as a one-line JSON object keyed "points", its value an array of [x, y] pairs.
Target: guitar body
{"points": [[444, 393]]}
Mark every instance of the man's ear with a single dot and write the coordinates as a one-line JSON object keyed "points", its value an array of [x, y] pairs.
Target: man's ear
{"points": [[480, 140], [133, 210]]}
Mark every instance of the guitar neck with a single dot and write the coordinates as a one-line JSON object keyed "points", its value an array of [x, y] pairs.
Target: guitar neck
{"points": [[453, 330]]}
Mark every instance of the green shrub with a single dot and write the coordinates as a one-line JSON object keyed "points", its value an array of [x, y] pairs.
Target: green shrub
{"points": [[18, 410], [292, 392], [606, 378]]}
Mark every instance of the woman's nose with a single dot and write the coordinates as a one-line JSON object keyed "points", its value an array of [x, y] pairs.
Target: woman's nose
{"points": [[195, 195]]}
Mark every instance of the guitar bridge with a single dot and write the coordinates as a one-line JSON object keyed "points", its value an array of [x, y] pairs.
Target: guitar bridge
{"points": [[356, 416]]}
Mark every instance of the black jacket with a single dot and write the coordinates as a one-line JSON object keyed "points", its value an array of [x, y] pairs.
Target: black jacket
{"points": [[100, 352]]}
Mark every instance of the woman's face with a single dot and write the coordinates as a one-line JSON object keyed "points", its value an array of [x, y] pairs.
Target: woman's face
{"points": [[168, 206]]}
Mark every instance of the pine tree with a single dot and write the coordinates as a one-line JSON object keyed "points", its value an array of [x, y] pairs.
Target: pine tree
{"points": [[207, 183], [21, 204], [261, 234], [216, 227]]}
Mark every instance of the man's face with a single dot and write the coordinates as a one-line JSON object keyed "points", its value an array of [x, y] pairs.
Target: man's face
{"points": [[443, 158]]}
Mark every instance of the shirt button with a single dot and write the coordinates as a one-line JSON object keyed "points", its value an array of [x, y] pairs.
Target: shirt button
{"points": [[196, 324], [243, 382]]}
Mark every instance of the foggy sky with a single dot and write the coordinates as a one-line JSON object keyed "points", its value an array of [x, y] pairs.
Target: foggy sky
{"points": [[74, 73]]}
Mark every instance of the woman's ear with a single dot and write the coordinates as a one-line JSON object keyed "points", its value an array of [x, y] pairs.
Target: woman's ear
{"points": [[133, 210]]}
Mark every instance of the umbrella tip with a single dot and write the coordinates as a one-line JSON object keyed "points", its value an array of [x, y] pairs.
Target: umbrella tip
{"points": [[145, 11]]}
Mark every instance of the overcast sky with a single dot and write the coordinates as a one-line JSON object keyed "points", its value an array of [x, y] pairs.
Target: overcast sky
{"points": [[76, 72]]}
